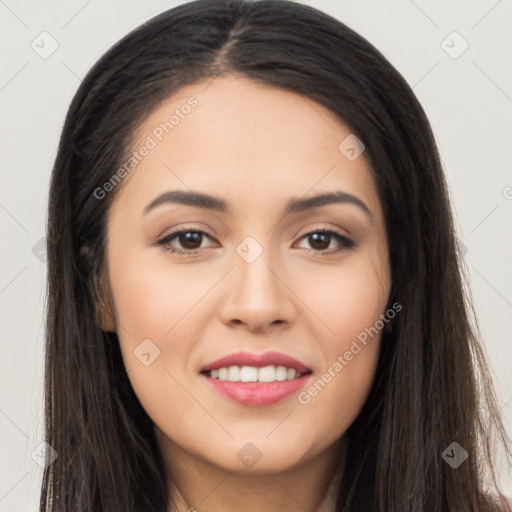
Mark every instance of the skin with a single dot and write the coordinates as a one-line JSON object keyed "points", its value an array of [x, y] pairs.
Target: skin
{"points": [[256, 147]]}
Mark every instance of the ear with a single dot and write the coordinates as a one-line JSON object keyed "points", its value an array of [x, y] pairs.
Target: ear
{"points": [[107, 320], [103, 300], [105, 308]]}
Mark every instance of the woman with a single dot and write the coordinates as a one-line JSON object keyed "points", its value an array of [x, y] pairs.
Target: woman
{"points": [[255, 298]]}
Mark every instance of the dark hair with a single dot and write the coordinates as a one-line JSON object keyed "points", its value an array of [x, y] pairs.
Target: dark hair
{"points": [[432, 385]]}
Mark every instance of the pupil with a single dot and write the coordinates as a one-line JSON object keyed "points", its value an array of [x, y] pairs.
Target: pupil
{"points": [[317, 240], [189, 239], [316, 237]]}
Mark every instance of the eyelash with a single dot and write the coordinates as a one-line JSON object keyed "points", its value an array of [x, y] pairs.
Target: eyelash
{"points": [[163, 242]]}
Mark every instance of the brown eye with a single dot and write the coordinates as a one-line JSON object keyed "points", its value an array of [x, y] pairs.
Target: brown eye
{"points": [[320, 240], [188, 241]]}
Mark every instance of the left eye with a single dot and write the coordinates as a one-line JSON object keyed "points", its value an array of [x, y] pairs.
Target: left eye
{"points": [[321, 239], [191, 241]]}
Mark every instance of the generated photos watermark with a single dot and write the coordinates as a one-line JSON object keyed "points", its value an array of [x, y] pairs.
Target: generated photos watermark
{"points": [[305, 397], [151, 142]]}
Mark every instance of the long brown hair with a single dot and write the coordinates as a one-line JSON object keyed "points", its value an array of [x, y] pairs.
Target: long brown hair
{"points": [[432, 386]]}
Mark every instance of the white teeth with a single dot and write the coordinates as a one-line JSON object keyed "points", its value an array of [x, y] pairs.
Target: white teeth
{"points": [[248, 374], [280, 373], [267, 374], [233, 374], [253, 374]]}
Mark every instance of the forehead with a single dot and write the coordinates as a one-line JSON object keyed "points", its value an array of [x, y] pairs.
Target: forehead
{"points": [[231, 135]]}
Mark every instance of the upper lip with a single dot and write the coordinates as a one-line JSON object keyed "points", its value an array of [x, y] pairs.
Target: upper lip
{"points": [[257, 360]]}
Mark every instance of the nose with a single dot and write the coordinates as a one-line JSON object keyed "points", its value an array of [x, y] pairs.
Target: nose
{"points": [[258, 298]]}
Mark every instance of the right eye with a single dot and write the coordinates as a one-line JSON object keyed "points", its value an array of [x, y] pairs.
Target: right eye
{"points": [[187, 238]]}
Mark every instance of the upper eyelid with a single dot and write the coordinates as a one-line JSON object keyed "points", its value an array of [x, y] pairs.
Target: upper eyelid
{"points": [[307, 231], [301, 234]]}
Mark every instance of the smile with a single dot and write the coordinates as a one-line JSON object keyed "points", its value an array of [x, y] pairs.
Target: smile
{"points": [[253, 374], [256, 379], [257, 393]]}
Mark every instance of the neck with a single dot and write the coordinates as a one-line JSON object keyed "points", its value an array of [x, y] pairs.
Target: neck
{"points": [[196, 484]]}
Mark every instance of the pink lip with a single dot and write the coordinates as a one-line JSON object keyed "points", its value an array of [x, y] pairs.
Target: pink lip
{"points": [[257, 393], [258, 361]]}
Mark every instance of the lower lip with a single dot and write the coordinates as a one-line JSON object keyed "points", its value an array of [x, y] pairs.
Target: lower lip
{"points": [[257, 393]]}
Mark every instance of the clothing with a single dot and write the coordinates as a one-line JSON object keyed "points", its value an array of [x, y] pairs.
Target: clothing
{"points": [[507, 503], [328, 504]]}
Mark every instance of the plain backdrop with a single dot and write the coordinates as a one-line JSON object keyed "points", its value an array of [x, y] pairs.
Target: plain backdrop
{"points": [[466, 92]]}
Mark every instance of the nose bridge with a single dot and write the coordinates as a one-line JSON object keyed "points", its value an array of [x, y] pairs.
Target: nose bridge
{"points": [[256, 294], [254, 279]]}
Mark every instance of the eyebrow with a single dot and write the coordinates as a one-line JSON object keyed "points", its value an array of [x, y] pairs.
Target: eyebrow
{"points": [[294, 205]]}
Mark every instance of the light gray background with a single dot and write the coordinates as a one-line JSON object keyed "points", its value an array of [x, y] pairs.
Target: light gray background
{"points": [[468, 100]]}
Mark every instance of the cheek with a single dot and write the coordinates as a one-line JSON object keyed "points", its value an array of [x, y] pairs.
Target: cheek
{"points": [[154, 308], [152, 296], [157, 336], [347, 299], [350, 304]]}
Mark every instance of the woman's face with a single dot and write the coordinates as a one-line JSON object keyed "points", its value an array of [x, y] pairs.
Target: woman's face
{"points": [[250, 276]]}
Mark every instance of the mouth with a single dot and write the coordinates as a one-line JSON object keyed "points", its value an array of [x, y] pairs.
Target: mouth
{"points": [[262, 374], [256, 380]]}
